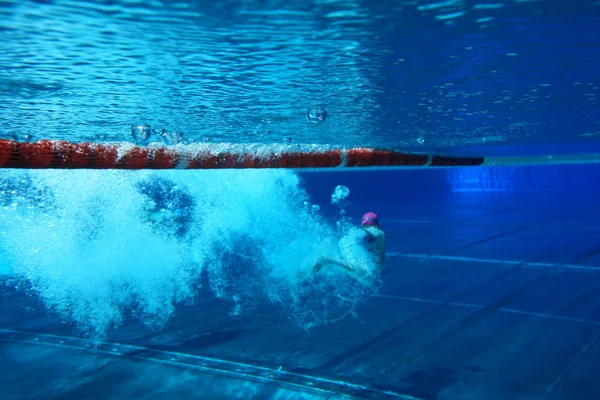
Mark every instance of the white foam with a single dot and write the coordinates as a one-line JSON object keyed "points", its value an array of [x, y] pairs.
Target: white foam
{"points": [[92, 256]]}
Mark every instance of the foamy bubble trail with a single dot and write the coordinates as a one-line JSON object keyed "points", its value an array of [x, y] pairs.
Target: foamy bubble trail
{"points": [[340, 198], [96, 244]]}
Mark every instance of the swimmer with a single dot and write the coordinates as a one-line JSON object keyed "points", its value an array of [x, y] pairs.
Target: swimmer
{"points": [[373, 241]]}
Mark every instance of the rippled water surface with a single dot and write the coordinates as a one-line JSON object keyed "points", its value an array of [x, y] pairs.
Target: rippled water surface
{"points": [[417, 74]]}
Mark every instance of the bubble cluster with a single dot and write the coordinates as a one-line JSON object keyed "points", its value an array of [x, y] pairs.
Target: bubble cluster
{"points": [[98, 245], [340, 194]]}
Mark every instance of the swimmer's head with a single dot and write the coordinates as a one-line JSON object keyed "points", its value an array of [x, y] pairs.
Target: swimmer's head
{"points": [[369, 219]]}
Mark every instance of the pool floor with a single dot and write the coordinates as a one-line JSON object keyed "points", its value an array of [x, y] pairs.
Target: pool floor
{"points": [[495, 299]]}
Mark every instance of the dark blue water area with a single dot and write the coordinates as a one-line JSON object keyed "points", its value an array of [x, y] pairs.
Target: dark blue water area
{"points": [[572, 148], [490, 291], [520, 73]]}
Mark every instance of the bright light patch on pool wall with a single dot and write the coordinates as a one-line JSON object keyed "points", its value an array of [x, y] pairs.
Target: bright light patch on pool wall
{"points": [[480, 179], [564, 179]]}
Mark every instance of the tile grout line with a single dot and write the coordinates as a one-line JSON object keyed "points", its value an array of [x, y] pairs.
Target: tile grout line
{"points": [[236, 369], [524, 264], [503, 309], [571, 364]]}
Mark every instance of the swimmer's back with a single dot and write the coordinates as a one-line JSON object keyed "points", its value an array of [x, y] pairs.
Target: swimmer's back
{"points": [[377, 247]]}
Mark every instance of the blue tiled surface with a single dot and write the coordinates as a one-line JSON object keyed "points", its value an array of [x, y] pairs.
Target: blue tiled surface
{"points": [[484, 297]]}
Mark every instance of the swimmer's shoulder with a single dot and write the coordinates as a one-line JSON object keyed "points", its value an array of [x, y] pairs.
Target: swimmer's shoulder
{"points": [[376, 232]]}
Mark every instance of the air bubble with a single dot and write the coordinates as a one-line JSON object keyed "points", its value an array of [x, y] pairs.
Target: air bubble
{"points": [[340, 194], [141, 133], [316, 114], [170, 137]]}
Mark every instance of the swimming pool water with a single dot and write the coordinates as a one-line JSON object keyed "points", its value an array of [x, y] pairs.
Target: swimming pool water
{"points": [[194, 284], [404, 74]]}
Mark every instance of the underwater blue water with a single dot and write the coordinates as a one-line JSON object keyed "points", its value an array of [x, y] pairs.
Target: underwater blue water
{"points": [[489, 289], [414, 74], [198, 284]]}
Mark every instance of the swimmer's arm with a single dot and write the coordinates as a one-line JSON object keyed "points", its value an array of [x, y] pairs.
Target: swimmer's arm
{"points": [[340, 264], [327, 260], [343, 265]]}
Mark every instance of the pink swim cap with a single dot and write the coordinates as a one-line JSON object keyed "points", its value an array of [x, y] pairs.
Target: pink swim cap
{"points": [[370, 219]]}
